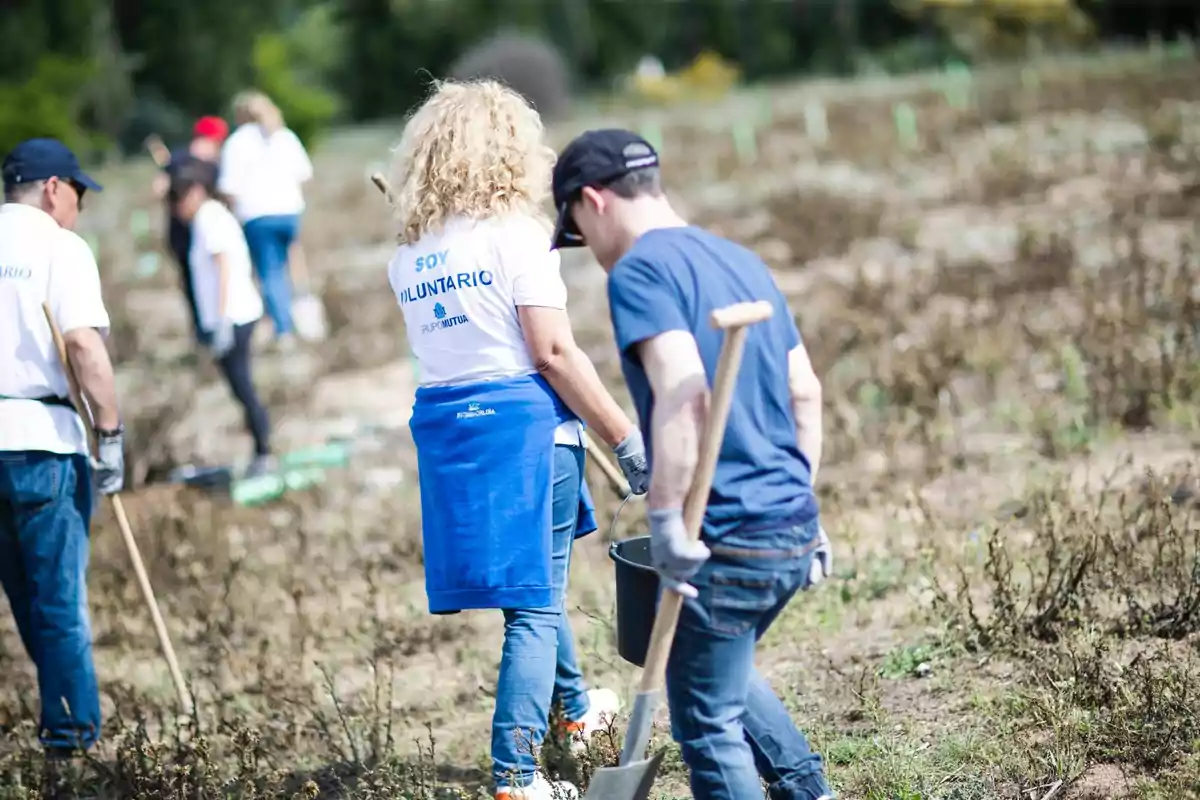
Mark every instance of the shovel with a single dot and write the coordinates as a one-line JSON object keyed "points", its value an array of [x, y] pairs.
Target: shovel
{"points": [[186, 703], [610, 470], [634, 776]]}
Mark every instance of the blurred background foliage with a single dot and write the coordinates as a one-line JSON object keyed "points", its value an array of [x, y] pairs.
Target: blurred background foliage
{"points": [[102, 74]]}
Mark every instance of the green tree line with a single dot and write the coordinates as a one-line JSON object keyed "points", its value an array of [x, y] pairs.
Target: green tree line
{"points": [[103, 74]]}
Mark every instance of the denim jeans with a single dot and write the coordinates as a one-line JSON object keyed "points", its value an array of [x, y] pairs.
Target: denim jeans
{"points": [[269, 239], [733, 730], [538, 665], [45, 508]]}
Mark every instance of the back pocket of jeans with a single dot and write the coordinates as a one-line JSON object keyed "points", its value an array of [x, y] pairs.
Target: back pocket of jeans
{"points": [[740, 598], [37, 482]]}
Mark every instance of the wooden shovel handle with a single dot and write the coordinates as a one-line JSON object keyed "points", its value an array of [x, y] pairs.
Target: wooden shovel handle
{"points": [[735, 320], [139, 568], [741, 315], [610, 470]]}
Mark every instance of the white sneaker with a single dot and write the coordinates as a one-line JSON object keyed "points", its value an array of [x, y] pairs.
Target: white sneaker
{"points": [[603, 705], [540, 789]]}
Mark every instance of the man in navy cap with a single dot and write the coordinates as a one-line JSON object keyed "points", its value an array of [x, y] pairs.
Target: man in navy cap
{"points": [[46, 476], [761, 540]]}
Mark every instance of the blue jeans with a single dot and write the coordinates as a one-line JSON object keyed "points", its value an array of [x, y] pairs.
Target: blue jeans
{"points": [[45, 508], [269, 239], [730, 725], [538, 665]]}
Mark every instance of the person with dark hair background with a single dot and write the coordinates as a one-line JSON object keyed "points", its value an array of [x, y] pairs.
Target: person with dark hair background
{"points": [[208, 135], [228, 304]]}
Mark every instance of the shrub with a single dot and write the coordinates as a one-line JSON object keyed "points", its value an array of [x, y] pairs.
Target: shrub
{"points": [[1005, 28], [307, 108], [47, 104], [527, 64]]}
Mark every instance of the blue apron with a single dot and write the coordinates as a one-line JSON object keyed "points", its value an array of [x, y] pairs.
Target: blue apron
{"points": [[485, 461]]}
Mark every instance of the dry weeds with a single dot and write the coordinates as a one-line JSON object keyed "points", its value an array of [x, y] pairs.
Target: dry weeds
{"points": [[1006, 317]]}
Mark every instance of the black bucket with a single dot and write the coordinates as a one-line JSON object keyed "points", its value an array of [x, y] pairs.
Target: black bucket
{"points": [[637, 597]]}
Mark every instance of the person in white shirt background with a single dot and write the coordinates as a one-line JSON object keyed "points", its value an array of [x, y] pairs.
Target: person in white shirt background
{"points": [[263, 169], [208, 135], [227, 303], [503, 388], [46, 476]]}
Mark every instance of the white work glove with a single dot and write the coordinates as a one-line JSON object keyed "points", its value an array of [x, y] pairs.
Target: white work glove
{"points": [[673, 555], [631, 458], [108, 465], [822, 563], [222, 338]]}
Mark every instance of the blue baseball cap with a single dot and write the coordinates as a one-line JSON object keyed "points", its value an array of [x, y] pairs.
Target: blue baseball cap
{"points": [[593, 158], [41, 159]]}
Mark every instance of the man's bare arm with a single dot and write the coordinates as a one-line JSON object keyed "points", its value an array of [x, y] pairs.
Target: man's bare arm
{"points": [[676, 373], [570, 372], [806, 406], [88, 358]]}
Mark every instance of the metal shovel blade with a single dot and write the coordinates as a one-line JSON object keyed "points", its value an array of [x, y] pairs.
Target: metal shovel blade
{"points": [[630, 782]]}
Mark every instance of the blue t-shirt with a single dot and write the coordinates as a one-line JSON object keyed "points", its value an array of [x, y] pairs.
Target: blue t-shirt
{"points": [[673, 279]]}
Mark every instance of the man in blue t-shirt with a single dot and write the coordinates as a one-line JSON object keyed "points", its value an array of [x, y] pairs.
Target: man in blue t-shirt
{"points": [[761, 540]]}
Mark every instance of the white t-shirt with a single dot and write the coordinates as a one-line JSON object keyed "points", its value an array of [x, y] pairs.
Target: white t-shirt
{"points": [[41, 262], [214, 230], [263, 174], [459, 291]]}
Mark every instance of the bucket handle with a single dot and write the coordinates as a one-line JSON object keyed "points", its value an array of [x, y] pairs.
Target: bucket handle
{"points": [[612, 528]]}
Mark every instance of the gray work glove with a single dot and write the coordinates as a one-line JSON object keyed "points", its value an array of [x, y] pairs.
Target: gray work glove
{"points": [[822, 563], [108, 465], [673, 555], [222, 338], [631, 458]]}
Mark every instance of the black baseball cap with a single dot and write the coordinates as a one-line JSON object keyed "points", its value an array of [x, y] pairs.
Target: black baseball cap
{"points": [[41, 159], [594, 158]]}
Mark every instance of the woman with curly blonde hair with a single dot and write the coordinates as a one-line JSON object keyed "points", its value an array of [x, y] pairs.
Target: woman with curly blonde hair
{"points": [[497, 418]]}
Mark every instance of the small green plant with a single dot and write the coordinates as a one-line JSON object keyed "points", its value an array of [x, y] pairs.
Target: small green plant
{"points": [[908, 661]]}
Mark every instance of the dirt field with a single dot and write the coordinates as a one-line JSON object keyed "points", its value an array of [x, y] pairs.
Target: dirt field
{"points": [[1006, 318]]}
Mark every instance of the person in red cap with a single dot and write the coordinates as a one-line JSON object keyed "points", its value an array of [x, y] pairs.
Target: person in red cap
{"points": [[208, 136], [210, 133]]}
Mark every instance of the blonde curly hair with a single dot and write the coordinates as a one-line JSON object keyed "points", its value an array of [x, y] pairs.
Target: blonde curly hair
{"points": [[474, 149]]}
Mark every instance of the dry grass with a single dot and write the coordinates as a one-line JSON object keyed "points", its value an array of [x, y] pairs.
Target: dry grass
{"points": [[1006, 318]]}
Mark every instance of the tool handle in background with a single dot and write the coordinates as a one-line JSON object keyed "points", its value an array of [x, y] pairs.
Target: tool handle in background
{"points": [[158, 150], [381, 183], [734, 320], [139, 568]]}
